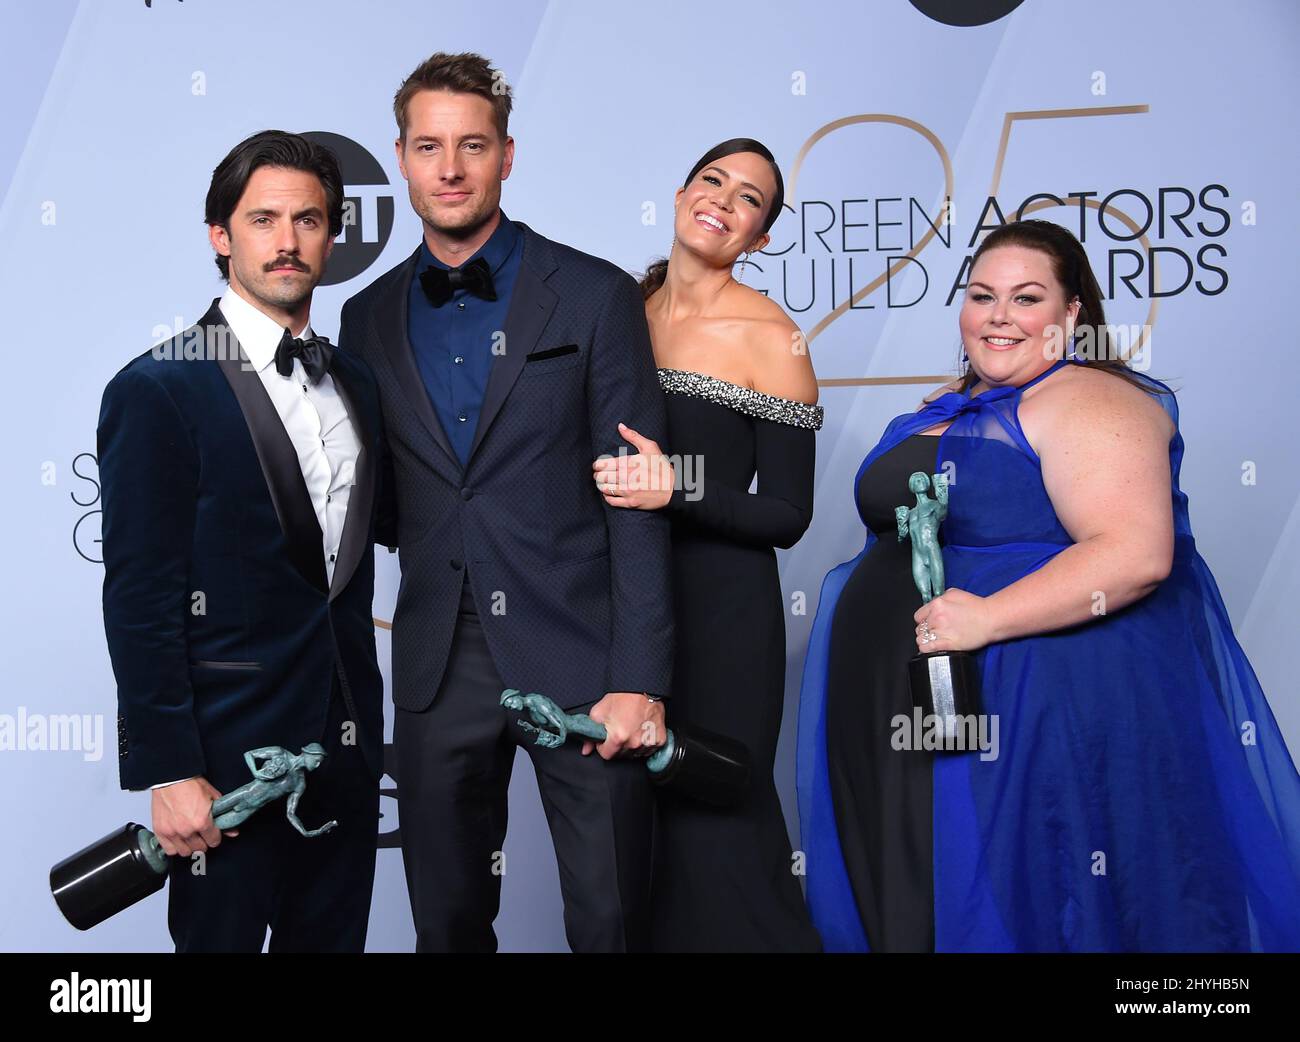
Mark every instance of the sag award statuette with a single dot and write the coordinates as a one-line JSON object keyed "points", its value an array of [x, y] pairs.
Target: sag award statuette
{"points": [[129, 864], [945, 684], [702, 765]]}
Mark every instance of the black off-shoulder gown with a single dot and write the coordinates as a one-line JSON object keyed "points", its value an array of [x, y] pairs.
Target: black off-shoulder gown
{"points": [[724, 880]]}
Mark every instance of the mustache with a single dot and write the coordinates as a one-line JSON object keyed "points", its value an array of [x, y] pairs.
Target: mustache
{"points": [[287, 262]]}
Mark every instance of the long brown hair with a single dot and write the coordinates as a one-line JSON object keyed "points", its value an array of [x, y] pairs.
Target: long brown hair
{"points": [[1074, 273], [658, 270]]}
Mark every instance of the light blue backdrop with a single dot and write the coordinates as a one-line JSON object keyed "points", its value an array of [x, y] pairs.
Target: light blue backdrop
{"points": [[116, 113]]}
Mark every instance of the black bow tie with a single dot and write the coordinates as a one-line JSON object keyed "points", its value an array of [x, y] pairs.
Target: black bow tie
{"points": [[440, 283], [315, 353]]}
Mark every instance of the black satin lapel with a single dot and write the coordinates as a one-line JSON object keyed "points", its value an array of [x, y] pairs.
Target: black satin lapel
{"points": [[530, 309], [356, 525], [393, 326], [279, 460]]}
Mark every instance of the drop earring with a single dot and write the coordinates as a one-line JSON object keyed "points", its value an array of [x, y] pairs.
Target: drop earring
{"points": [[743, 262]]}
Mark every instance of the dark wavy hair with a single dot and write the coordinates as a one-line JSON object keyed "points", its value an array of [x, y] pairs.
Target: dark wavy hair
{"points": [[1074, 273], [271, 148], [658, 270]]}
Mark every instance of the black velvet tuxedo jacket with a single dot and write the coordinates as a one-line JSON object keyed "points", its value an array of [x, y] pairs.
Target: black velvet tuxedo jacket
{"points": [[223, 632]]}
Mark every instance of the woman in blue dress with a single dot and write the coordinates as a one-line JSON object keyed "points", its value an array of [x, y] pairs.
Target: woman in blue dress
{"points": [[1139, 795]]}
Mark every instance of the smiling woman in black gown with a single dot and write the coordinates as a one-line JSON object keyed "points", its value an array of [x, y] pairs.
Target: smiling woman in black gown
{"points": [[741, 401]]}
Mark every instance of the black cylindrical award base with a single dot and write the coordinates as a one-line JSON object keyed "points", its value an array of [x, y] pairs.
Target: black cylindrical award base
{"points": [[107, 876], [704, 766], [946, 687]]}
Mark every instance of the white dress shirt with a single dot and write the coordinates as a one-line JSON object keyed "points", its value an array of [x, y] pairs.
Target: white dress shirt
{"points": [[313, 415]]}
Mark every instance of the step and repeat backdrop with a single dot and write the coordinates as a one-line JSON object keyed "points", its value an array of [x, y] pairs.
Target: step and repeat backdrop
{"points": [[1162, 134]]}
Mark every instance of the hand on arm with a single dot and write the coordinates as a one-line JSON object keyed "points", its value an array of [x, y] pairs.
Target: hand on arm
{"points": [[643, 480], [780, 511]]}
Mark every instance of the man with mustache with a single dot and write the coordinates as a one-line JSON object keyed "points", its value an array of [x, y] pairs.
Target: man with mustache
{"points": [[238, 463], [506, 362]]}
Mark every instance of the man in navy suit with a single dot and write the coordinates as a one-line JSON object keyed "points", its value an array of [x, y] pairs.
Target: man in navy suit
{"points": [[239, 464], [505, 364]]}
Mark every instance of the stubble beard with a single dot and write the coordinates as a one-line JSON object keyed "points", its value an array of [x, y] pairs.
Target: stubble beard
{"points": [[455, 224]]}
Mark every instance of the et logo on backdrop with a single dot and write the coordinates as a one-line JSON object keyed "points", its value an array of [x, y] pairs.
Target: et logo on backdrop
{"points": [[367, 208], [963, 14]]}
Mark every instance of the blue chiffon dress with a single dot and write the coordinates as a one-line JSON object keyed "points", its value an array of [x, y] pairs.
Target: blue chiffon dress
{"points": [[1143, 797]]}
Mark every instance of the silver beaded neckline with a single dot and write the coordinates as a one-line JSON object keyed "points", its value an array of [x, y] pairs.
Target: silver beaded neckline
{"points": [[743, 399]]}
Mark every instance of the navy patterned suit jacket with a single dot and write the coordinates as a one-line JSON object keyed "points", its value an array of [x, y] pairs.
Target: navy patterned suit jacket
{"points": [[574, 595]]}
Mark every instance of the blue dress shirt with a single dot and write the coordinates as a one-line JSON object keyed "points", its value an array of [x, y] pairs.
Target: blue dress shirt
{"points": [[453, 344]]}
